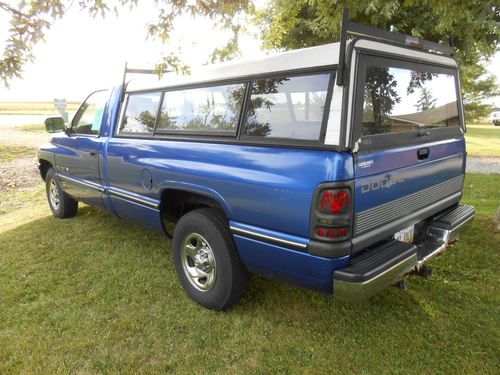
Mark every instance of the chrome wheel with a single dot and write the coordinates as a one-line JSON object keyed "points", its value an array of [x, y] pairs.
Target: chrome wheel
{"points": [[54, 195], [198, 262]]}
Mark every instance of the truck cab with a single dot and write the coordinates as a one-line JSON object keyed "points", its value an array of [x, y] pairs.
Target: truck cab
{"points": [[339, 168]]}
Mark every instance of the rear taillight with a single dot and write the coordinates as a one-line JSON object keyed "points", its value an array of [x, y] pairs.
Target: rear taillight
{"points": [[335, 201], [331, 216], [331, 232]]}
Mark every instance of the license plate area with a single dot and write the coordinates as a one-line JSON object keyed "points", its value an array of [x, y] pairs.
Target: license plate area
{"points": [[405, 235]]}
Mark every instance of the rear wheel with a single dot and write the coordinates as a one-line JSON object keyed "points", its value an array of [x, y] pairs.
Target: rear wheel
{"points": [[206, 260], [61, 204]]}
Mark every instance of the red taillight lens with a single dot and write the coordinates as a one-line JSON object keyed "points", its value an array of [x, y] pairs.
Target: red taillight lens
{"points": [[335, 201], [331, 217], [331, 232]]}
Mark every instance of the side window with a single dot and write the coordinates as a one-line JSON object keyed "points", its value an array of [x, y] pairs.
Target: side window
{"points": [[88, 119], [288, 107], [140, 114], [214, 109]]}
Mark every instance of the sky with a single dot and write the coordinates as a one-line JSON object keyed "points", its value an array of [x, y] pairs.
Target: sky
{"points": [[441, 88], [82, 54]]}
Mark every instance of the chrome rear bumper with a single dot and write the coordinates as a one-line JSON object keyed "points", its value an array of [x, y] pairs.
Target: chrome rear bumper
{"points": [[352, 285]]}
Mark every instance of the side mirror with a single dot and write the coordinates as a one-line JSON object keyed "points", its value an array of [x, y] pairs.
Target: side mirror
{"points": [[54, 124]]}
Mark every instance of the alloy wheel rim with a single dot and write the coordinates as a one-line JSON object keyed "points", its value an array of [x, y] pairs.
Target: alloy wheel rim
{"points": [[54, 195], [198, 262]]}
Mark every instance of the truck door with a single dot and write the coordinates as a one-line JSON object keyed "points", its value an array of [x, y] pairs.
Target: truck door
{"points": [[408, 134], [78, 167]]}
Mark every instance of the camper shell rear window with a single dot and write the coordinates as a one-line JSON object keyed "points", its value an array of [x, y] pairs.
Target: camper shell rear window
{"points": [[400, 101]]}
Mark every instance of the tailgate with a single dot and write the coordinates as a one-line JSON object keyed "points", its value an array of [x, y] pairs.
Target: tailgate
{"points": [[410, 158], [395, 187]]}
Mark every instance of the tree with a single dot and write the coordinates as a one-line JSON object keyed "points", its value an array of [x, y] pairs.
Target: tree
{"points": [[146, 119], [27, 28], [380, 96], [470, 24], [289, 24], [30, 20], [426, 101]]}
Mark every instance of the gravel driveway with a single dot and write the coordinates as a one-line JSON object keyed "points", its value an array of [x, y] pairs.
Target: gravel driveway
{"points": [[19, 174], [11, 135], [483, 165]]}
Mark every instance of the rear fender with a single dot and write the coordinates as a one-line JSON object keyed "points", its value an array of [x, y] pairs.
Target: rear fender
{"points": [[197, 189]]}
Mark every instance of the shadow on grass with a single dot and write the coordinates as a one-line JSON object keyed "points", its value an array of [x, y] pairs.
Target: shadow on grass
{"points": [[97, 294]]}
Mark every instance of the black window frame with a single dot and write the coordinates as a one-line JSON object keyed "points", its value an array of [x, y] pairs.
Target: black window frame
{"points": [[392, 140], [203, 137], [204, 133], [290, 141], [124, 112], [72, 127]]}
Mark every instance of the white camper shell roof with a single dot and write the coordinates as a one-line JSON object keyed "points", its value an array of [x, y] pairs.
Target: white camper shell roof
{"points": [[323, 56], [319, 57]]}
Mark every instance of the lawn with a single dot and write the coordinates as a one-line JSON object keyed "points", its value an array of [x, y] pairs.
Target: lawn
{"points": [[94, 294], [9, 153], [483, 140], [32, 128]]}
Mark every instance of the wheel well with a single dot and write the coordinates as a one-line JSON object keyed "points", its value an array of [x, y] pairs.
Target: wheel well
{"points": [[175, 203], [44, 167]]}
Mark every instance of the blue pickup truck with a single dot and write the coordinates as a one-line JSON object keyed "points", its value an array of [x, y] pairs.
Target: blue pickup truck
{"points": [[338, 168]]}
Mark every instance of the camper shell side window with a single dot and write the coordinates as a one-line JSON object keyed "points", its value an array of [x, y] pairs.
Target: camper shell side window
{"points": [[287, 110], [140, 114], [290, 107], [206, 110]]}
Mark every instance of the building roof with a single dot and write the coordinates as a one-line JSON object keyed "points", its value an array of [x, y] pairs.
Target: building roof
{"points": [[430, 116]]}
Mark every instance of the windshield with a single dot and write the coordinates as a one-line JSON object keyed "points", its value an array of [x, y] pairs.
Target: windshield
{"points": [[401, 97]]}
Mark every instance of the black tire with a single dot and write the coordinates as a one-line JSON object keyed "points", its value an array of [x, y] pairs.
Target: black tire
{"points": [[229, 277], [62, 206]]}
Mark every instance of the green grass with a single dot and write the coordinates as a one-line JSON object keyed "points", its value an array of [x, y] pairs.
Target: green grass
{"points": [[483, 192], [9, 153], [32, 128], [31, 199], [94, 294], [483, 140], [33, 108]]}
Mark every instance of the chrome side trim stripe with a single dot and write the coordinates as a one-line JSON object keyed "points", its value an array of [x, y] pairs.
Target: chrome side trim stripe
{"points": [[145, 201], [86, 183], [268, 238], [152, 203]]}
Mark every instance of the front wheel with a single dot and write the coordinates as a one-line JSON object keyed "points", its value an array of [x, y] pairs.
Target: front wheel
{"points": [[61, 204], [206, 260]]}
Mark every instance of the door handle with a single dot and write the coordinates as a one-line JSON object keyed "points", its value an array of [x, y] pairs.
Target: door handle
{"points": [[93, 153]]}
